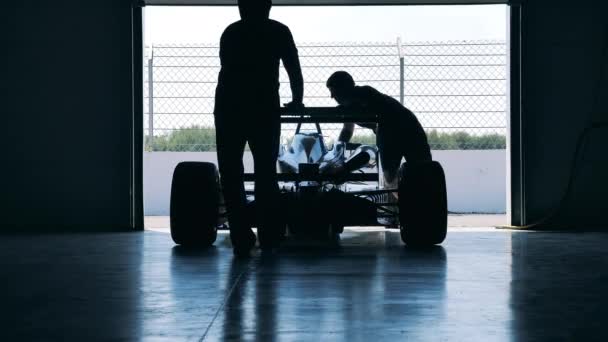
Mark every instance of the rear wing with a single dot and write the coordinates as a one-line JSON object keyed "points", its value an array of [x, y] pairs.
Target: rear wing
{"points": [[325, 115]]}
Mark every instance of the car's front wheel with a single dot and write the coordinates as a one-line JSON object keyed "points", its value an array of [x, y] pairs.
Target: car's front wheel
{"points": [[194, 208]]}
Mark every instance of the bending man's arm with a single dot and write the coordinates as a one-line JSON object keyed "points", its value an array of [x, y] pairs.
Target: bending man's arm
{"points": [[349, 128], [347, 132], [291, 62], [369, 125]]}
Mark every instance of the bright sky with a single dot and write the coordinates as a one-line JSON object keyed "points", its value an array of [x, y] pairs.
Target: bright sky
{"points": [[335, 24]]}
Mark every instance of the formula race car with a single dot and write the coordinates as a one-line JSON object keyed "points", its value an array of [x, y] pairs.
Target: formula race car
{"points": [[322, 190]]}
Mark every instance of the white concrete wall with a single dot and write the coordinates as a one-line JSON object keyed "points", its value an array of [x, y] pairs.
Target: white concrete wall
{"points": [[476, 180]]}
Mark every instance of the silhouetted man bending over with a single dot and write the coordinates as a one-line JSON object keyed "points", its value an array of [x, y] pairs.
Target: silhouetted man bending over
{"points": [[247, 107], [398, 132]]}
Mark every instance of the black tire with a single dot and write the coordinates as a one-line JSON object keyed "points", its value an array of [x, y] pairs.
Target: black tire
{"points": [[423, 205], [194, 208]]}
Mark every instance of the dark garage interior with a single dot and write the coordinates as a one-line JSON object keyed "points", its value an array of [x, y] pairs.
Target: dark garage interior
{"points": [[77, 264]]}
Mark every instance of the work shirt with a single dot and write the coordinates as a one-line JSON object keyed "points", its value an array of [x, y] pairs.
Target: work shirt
{"points": [[250, 53], [398, 132]]}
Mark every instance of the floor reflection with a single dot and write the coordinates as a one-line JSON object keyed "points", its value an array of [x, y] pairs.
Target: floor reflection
{"points": [[183, 291], [238, 302], [558, 288], [479, 286], [358, 292]]}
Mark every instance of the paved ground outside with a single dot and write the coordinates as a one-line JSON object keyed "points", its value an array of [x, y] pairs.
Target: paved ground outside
{"points": [[455, 221]]}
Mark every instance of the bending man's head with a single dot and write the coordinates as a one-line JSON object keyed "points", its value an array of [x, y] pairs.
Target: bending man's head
{"points": [[254, 9], [341, 86]]}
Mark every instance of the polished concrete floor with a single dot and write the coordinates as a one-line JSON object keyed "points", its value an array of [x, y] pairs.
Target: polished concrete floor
{"points": [[481, 285]]}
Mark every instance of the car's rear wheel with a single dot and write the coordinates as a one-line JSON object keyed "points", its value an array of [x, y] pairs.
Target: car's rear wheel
{"points": [[422, 203], [194, 208]]}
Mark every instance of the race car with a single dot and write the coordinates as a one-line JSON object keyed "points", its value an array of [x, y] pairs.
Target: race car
{"points": [[310, 148], [322, 190]]}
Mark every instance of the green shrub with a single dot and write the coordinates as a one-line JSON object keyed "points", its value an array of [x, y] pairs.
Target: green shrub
{"points": [[465, 141], [451, 141], [194, 138]]}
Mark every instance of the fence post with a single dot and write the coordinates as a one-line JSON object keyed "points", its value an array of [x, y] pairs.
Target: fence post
{"points": [[151, 97], [401, 71]]}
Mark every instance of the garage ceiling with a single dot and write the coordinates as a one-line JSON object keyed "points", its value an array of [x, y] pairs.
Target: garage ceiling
{"points": [[328, 2]]}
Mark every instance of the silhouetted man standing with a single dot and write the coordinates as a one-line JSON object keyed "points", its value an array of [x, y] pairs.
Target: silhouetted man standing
{"points": [[247, 107]]}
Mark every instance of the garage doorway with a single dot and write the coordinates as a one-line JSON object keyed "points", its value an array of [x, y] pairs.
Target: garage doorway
{"points": [[449, 64]]}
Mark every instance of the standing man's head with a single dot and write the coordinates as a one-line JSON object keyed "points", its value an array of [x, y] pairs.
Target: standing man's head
{"points": [[342, 87], [254, 9]]}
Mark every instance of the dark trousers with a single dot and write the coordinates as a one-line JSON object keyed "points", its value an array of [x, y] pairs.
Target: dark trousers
{"points": [[261, 129], [401, 139]]}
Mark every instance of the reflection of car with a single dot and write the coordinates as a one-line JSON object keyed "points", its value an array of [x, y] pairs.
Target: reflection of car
{"points": [[322, 190]]}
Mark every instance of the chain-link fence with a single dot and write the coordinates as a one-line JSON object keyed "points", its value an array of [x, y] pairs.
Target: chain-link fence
{"points": [[456, 89]]}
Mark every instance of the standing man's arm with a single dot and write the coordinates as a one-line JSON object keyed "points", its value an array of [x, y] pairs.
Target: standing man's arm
{"points": [[291, 62]]}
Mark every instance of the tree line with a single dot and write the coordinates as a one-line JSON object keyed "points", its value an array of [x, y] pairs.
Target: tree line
{"points": [[201, 139]]}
